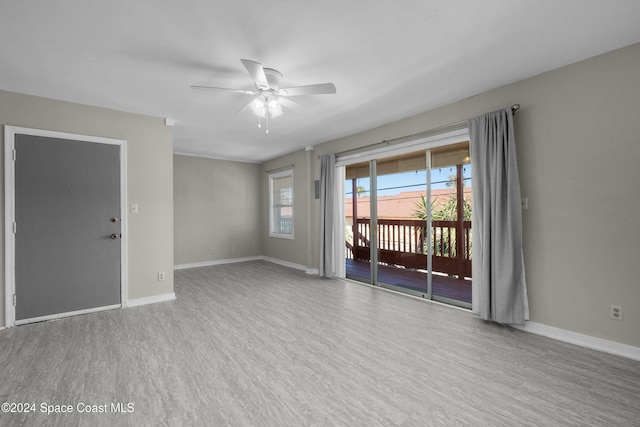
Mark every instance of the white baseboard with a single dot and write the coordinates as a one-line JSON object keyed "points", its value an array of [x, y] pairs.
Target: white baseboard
{"points": [[582, 340], [312, 271], [285, 263], [216, 262], [151, 300]]}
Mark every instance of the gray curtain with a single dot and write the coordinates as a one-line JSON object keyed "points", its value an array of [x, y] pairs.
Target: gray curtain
{"points": [[327, 177], [498, 265]]}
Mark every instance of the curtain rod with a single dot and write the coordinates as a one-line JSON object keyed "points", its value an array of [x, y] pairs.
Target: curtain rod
{"points": [[430, 132], [281, 168]]}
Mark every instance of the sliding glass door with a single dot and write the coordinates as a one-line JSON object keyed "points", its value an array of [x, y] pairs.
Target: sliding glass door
{"points": [[450, 231], [409, 223], [358, 222], [402, 262]]}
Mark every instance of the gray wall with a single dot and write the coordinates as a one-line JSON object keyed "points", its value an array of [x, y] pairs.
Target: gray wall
{"points": [[578, 149], [217, 209], [149, 171], [298, 250]]}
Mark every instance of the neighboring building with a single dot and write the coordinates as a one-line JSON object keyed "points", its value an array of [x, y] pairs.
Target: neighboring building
{"points": [[399, 206]]}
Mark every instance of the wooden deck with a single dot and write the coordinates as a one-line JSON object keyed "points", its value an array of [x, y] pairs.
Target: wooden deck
{"points": [[443, 286]]}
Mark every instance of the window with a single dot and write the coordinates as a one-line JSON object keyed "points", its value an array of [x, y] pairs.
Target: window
{"points": [[281, 204]]}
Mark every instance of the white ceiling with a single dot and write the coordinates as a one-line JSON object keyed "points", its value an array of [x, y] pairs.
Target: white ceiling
{"points": [[388, 59]]}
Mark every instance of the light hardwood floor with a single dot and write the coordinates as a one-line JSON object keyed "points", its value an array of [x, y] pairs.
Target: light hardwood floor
{"points": [[257, 344]]}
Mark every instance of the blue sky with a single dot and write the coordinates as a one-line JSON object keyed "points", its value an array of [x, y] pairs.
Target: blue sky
{"points": [[389, 185]]}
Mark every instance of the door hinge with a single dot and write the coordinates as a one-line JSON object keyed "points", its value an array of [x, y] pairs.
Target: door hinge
{"points": [[14, 299], [13, 155], [15, 227]]}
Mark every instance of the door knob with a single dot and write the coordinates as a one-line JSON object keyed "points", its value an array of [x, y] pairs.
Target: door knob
{"points": [[114, 236]]}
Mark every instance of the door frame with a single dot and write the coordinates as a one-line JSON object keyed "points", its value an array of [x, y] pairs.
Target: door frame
{"points": [[9, 216]]}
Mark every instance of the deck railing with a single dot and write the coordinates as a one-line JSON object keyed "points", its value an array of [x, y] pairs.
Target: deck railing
{"points": [[404, 242]]}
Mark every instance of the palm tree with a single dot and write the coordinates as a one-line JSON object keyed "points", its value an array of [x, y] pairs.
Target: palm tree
{"points": [[448, 212]]}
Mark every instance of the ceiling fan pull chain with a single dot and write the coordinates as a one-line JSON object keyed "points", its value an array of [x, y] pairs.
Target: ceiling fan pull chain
{"points": [[266, 113]]}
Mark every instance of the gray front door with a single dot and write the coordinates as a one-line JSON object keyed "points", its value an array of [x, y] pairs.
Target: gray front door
{"points": [[67, 211]]}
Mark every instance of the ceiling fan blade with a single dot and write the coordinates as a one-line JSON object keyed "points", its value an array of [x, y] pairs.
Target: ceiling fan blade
{"points": [[257, 73], [224, 89], [247, 105], [288, 103], [319, 89]]}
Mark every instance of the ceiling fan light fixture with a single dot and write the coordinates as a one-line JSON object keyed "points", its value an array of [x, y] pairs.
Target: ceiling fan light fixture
{"points": [[260, 105], [275, 109]]}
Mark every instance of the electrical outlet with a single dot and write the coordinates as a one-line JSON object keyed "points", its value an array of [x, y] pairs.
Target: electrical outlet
{"points": [[616, 312], [212, 251], [161, 276]]}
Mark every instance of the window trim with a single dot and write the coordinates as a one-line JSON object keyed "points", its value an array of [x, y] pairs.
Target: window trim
{"points": [[272, 178]]}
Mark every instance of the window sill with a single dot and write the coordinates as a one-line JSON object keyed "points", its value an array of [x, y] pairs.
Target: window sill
{"points": [[282, 236]]}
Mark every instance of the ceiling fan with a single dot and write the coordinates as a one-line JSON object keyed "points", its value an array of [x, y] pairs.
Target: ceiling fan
{"points": [[269, 98]]}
